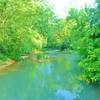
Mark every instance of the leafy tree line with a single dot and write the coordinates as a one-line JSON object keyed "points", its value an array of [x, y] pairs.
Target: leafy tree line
{"points": [[80, 32], [83, 29], [24, 26]]}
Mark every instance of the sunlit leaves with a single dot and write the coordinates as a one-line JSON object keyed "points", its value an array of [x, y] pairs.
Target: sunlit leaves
{"points": [[23, 26]]}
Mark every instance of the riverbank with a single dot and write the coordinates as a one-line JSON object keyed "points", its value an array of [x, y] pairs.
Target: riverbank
{"points": [[36, 55], [6, 63]]}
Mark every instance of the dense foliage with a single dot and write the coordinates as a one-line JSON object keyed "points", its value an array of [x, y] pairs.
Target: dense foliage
{"points": [[22, 26], [84, 37], [26, 25]]}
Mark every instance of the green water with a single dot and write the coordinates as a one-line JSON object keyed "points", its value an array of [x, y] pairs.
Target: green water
{"points": [[52, 79]]}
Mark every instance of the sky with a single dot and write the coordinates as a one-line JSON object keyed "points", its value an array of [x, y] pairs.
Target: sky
{"points": [[61, 6]]}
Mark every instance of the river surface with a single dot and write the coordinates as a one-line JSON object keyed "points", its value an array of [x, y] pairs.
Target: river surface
{"points": [[55, 78]]}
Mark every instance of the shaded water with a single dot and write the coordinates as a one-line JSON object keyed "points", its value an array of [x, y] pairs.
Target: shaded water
{"points": [[52, 79]]}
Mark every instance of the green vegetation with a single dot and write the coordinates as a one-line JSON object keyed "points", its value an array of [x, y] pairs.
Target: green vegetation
{"points": [[84, 37], [30, 24]]}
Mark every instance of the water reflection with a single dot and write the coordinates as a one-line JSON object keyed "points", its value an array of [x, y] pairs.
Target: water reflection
{"points": [[64, 95], [53, 80]]}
